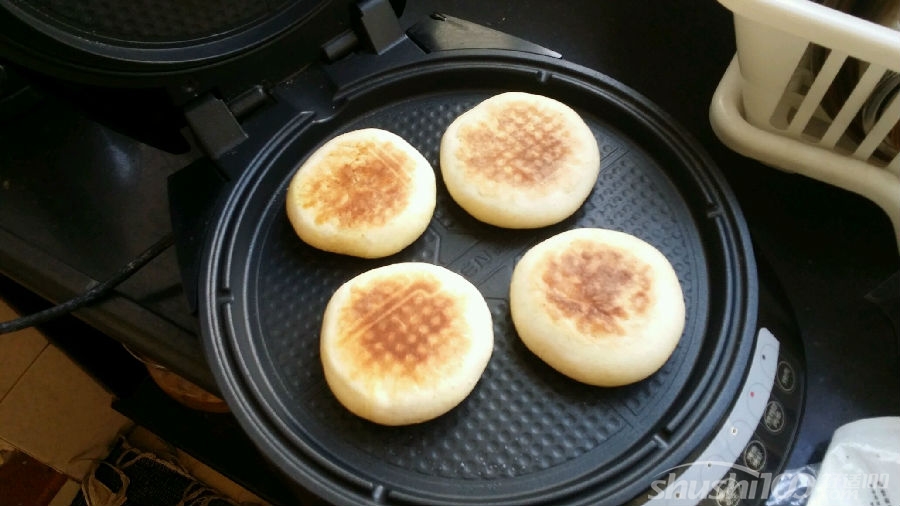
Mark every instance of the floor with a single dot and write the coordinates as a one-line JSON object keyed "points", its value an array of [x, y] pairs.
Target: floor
{"points": [[56, 423]]}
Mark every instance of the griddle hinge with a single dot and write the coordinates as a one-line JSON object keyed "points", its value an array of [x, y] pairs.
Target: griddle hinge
{"points": [[378, 27], [380, 24], [214, 124]]}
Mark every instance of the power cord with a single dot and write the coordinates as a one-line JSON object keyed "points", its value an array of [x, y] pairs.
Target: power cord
{"points": [[92, 295]]}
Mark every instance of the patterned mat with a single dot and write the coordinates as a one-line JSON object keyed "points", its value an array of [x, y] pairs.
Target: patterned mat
{"points": [[133, 477]]}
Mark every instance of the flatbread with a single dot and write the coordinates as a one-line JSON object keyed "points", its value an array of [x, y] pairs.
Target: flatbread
{"points": [[366, 193], [600, 306], [519, 160], [405, 343]]}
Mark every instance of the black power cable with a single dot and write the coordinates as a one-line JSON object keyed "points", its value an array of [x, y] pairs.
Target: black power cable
{"points": [[94, 294]]}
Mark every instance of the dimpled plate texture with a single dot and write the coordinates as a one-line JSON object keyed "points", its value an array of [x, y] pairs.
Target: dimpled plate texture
{"points": [[524, 425]]}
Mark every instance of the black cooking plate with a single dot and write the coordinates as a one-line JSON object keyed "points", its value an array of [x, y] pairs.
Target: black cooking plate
{"points": [[526, 434]]}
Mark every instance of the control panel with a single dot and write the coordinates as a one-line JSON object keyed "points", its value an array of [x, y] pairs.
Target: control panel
{"points": [[740, 465]]}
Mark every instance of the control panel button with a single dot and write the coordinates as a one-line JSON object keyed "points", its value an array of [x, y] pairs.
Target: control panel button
{"points": [[755, 455], [727, 492], [785, 377], [773, 417]]}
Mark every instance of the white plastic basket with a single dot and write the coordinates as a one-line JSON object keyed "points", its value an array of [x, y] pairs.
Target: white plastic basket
{"points": [[776, 102]]}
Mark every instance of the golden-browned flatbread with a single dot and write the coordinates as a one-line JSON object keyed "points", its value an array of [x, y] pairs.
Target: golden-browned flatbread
{"points": [[405, 343], [365, 193], [600, 306], [519, 160]]}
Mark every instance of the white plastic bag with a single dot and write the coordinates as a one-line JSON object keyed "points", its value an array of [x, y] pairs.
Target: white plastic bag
{"points": [[861, 466]]}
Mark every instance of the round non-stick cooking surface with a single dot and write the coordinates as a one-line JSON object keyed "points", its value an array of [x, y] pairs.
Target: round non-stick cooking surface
{"points": [[526, 434]]}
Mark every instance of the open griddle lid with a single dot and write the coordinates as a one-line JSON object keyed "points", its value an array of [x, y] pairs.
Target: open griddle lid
{"points": [[186, 43]]}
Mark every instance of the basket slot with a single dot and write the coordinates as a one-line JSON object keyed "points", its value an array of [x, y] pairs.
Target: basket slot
{"points": [[894, 166], [816, 92], [855, 101], [880, 130]]}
